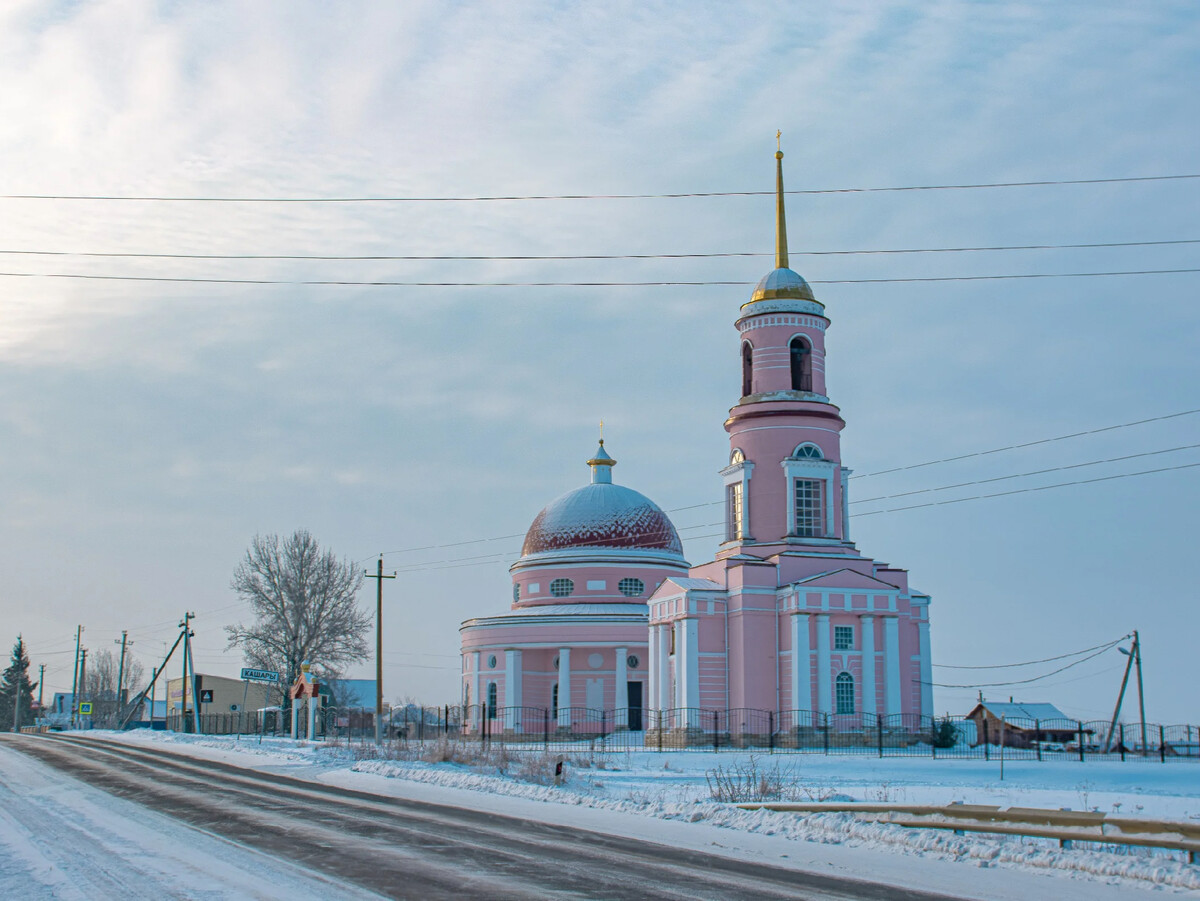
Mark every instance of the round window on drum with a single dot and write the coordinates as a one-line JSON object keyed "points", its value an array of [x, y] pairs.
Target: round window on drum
{"points": [[632, 588], [562, 588]]}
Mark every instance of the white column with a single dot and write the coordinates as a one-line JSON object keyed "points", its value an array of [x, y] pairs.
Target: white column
{"points": [[846, 509], [512, 687], [621, 692], [891, 664], [824, 686], [678, 693], [869, 703], [564, 686], [663, 699], [801, 663], [926, 669], [687, 667], [312, 717], [653, 665], [296, 702], [476, 698]]}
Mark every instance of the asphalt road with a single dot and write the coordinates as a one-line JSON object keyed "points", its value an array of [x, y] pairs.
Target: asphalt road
{"points": [[406, 849]]}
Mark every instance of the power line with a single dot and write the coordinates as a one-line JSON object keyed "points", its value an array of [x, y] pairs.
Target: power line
{"points": [[1033, 679], [1040, 441], [665, 196], [976, 497], [1008, 447], [1021, 475], [488, 559], [586, 256], [334, 283], [1105, 646]]}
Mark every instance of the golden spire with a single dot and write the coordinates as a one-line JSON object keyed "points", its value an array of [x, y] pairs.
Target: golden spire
{"points": [[781, 254]]}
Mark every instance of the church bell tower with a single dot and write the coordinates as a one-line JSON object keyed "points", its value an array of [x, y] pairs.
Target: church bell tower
{"points": [[785, 486]]}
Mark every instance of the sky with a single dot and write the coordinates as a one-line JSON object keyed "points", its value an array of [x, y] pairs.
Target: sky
{"points": [[150, 429]]}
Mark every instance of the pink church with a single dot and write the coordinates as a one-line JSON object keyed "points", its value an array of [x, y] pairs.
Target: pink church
{"points": [[609, 624]]}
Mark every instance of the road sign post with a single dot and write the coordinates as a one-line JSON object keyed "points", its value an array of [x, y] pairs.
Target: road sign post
{"points": [[249, 674]]}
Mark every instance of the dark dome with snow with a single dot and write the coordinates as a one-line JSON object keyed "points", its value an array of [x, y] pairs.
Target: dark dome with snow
{"points": [[602, 515]]}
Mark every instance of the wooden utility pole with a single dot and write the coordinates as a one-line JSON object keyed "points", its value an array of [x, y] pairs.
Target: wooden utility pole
{"points": [[1112, 726], [121, 670], [75, 677], [82, 673], [379, 577], [1137, 659], [41, 682], [189, 662]]}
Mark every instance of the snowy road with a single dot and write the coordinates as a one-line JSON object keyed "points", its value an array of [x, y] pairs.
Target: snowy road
{"points": [[393, 847], [64, 840]]}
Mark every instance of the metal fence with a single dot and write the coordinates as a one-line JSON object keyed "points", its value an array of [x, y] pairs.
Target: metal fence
{"points": [[695, 729]]}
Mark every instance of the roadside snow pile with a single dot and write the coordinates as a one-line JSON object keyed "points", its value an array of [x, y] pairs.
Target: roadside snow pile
{"points": [[584, 789]]}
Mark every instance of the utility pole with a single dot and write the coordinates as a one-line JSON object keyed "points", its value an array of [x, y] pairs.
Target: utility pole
{"points": [[82, 673], [41, 682], [189, 685], [153, 682], [75, 677], [1112, 726], [17, 706], [379, 577], [121, 671], [1137, 658]]}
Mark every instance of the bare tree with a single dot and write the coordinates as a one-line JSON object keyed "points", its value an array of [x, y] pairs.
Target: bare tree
{"points": [[100, 684], [303, 601]]}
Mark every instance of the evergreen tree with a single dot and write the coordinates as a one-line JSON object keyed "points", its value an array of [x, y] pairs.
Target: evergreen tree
{"points": [[15, 676]]}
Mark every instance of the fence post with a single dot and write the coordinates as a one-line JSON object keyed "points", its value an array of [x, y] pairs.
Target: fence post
{"points": [[716, 734], [1162, 745], [1122, 742], [1037, 737], [660, 729], [825, 731], [545, 728], [603, 724], [879, 735], [771, 731], [1079, 723], [987, 750]]}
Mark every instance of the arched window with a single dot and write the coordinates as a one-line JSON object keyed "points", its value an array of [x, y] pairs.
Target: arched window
{"points": [[801, 355], [747, 369], [491, 701], [844, 693], [807, 452]]}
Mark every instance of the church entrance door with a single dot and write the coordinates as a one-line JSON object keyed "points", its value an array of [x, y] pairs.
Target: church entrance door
{"points": [[634, 690]]}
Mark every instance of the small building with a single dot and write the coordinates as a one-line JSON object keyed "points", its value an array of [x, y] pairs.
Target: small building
{"points": [[218, 694], [1022, 724]]}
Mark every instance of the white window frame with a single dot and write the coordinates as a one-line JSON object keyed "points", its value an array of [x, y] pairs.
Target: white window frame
{"points": [[843, 631], [809, 468], [838, 684], [738, 472]]}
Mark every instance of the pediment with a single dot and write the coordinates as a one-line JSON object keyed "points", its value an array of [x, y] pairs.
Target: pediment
{"points": [[677, 585], [845, 580]]}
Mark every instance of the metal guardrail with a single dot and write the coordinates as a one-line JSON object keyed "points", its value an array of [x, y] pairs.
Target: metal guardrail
{"points": [[1065, 826]]}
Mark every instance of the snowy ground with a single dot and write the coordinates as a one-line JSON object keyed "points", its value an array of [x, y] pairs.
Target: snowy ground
{"points": [[60, 839], [630, 792]]}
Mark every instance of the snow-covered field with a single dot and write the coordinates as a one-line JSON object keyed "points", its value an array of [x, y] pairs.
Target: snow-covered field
{"points": [[612, 791], [50, 840]]}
